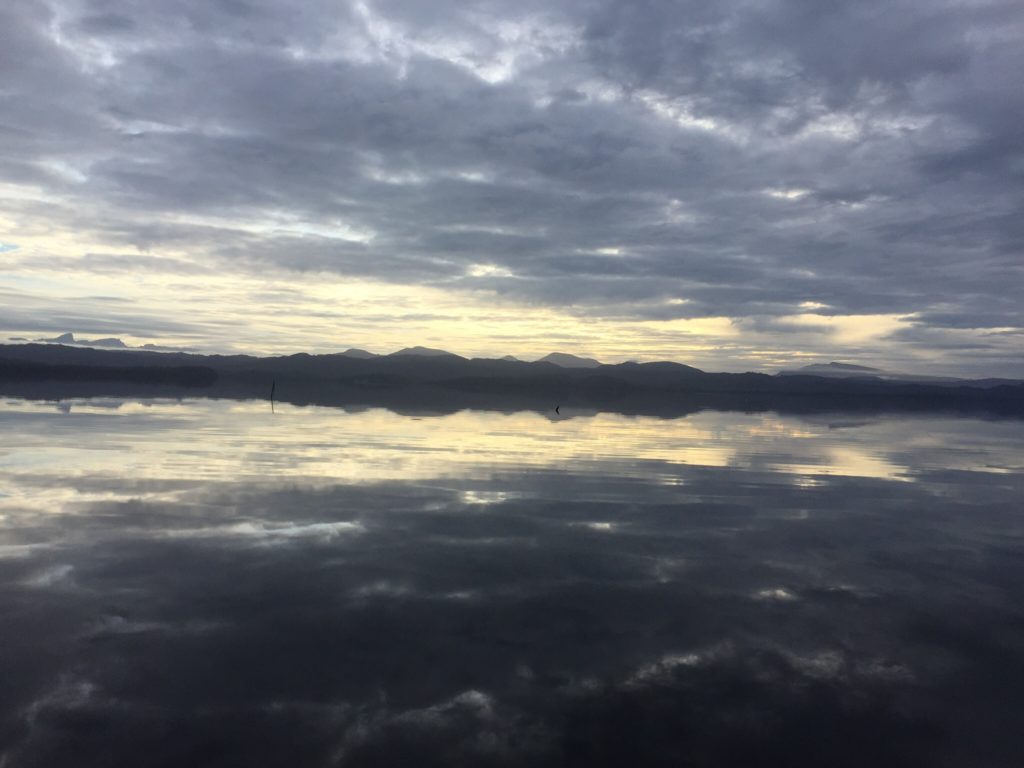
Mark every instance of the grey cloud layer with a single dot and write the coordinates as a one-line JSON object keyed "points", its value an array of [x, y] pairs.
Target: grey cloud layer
{"points": [[609, 155]]}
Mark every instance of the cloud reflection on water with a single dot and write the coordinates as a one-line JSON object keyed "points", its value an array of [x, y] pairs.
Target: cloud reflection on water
{"points": [[200, 582]]}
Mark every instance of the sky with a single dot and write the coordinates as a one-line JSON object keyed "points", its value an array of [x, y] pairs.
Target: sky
{"points": [[737, 185]]}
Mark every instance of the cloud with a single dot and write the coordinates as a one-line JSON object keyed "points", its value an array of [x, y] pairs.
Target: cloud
{"points": [[601, 158], [639, 606]]}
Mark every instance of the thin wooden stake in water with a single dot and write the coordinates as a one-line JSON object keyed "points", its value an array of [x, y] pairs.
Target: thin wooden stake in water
{"points": [[273, 384]]}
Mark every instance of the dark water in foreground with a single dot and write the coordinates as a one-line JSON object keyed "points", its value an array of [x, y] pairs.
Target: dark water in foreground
{"points": [[203, 583]]}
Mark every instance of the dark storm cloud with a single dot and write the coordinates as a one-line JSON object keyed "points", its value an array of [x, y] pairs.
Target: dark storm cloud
{"points": [[611, 156]]}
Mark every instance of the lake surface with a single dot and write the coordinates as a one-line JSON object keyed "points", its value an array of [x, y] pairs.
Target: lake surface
{"points": [[208, 583]]}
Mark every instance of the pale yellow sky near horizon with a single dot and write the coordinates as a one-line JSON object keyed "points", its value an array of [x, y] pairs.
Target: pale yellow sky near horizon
{"points": [[190, 305], [57, 281]]}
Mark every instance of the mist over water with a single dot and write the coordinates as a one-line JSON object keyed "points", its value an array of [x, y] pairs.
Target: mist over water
{"points": [[207, 583]]}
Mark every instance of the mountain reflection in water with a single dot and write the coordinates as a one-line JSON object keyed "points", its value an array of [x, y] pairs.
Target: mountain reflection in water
{"points": [[207, 583]]}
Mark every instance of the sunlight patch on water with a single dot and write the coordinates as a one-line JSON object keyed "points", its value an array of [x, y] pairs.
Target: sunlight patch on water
{"points": [[80, 451], [848, 461]]}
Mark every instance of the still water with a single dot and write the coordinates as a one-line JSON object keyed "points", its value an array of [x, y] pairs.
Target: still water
{"points": [[208, 583]]}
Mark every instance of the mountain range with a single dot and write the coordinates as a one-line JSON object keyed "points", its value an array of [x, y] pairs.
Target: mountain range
{"points": [[429, 378], [863, 372], [110, 342], [561, 359]]}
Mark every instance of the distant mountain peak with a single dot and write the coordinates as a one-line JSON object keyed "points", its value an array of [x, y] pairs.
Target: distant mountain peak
{"points": [[422, 352], [565, 360], [362, 354], [835, 370], [109, 343], [69, 338], [511, 358], [845, 367]]}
